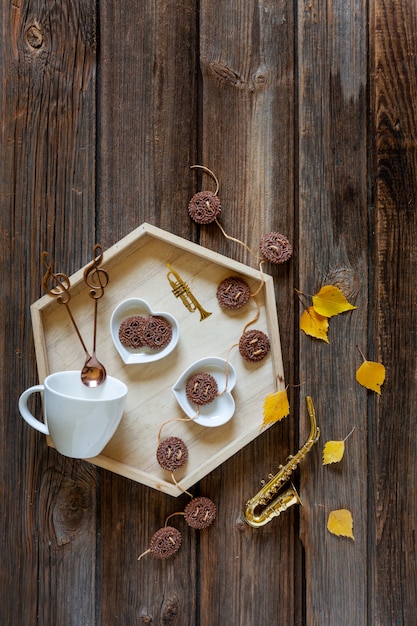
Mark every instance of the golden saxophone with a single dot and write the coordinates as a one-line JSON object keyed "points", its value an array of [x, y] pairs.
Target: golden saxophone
{"points": [[260, 509], [180, 289]]}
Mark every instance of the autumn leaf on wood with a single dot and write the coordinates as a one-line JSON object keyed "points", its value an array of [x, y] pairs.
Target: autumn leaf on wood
{"points": [[340, 523], [330, 301], [371, 374], [276, 407], [314, 324], [334, 450]]}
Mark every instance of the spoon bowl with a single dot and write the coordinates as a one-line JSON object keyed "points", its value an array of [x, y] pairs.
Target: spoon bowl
{"points": [[93, 373]]}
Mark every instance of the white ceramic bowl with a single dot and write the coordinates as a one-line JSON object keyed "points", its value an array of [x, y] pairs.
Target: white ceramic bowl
{"points": [[137, 306], [222, 408]]}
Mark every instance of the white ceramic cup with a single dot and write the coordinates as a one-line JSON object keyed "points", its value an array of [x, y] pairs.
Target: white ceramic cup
{"points": [[80, 420]]}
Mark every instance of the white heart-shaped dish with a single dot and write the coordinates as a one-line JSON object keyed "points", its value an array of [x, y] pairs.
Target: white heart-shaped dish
{"points": [[222, 408], [137, 306]]}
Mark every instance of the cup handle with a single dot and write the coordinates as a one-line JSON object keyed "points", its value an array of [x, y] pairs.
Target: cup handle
{"points": [[26, 414]]}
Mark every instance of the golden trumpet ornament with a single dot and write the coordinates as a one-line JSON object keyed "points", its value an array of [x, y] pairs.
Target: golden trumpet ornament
{"points": [[181, 290], [263, 507]]}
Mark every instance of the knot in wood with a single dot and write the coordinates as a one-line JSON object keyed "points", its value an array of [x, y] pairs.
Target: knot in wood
{"points": [[34, 37], [71, 505], [345, 279], [226, 75], [170, 611], [259, 80]]}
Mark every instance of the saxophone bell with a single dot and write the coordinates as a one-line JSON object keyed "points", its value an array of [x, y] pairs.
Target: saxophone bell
{"points": [[270, 501], [260, 515]]}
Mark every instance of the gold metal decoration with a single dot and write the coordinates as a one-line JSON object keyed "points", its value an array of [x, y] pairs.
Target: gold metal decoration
{"points": [[180, 289], [260, 509]]}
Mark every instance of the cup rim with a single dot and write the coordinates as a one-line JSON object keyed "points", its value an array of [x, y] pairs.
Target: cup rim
{"points": [[123, 389]]}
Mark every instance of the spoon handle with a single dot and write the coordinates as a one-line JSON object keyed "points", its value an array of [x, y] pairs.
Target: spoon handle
{"points": [[58, 286], [97, 279]]}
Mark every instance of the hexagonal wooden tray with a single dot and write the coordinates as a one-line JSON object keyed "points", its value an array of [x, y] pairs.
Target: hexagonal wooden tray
{"points": [[137, 268]]}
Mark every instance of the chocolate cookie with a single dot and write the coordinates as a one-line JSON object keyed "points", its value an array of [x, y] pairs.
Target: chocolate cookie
{"points": [[157, 332], [275, 247], [201, 388], [165, 542], [131, 331], [172, 453], [254, 345], [204, 207], [200, 512], [233, 293]]}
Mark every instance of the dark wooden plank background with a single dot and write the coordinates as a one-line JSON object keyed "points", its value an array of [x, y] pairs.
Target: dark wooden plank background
{"points": [[306, 111]]}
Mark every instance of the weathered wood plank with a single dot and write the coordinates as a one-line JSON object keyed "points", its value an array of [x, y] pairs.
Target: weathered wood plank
{"points": [[281, 88], [47, 177], [148, 140], [392, 450], [247, 138], [333, 250], [148, 112]]}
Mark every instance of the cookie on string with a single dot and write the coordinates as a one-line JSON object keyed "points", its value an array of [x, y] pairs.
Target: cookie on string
{"points": [[275, 247], [254, 345], [131, 331], [204, 207], [233, 293], [200, 512], [172, 453], [201, 388], [165, 542]]}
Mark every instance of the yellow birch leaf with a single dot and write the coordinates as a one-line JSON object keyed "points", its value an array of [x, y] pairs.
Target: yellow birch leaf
{"points": [[276, 407], [330, 301], [340, 523], [333, 452], [314, 324], [371, 375]]}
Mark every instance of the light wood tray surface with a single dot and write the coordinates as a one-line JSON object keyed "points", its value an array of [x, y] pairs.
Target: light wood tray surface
{"points": [[137, 268]]}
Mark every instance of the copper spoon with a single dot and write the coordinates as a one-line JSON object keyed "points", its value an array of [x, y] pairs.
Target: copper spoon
{"points": [[93, 373], [58, 286]]}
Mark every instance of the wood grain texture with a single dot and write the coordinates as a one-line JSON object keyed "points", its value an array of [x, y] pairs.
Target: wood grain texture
{"points": [[147, 116], [394, 435], [247, 139], [47, 176], [333, 249], [148, 140], [306, 112]]}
